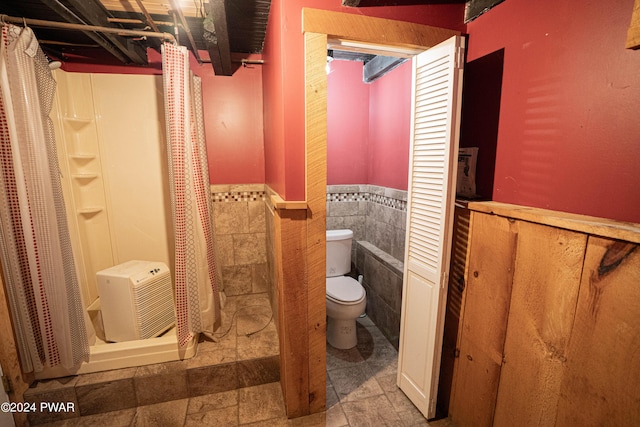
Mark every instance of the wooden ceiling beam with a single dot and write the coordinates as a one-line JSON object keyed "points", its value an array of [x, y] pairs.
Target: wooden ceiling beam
{"points": [[147, 18], [185, 26], [216, 35], [91, 12]]}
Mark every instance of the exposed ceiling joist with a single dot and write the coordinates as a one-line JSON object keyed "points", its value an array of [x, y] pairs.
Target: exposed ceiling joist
{"points": [[216, 35], [146, 17], [236, 26], [476, 8], [92, 12], [379, 66], [186, 28]]}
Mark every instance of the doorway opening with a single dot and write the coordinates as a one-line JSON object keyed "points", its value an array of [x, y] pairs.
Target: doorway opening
{"points": [[368, 33]]}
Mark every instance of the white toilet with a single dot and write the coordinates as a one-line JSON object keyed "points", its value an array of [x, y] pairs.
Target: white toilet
{"points": [[346, 298]]}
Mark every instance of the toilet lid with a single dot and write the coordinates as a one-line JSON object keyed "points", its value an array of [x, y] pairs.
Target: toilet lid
{"points": [[344, 288]]}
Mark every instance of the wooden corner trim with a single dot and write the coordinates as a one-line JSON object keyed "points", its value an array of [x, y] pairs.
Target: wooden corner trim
{"points": [[281, 204]]}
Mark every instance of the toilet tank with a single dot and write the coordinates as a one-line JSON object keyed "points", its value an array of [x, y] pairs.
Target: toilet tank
{"points": [[338, 252]]}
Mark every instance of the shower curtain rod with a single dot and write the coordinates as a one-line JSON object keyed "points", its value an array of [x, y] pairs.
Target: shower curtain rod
{"points": [[84, 27]]}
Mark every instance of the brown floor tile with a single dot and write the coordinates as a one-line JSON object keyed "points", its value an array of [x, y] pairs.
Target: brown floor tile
{"points": [[373, 411], [258, 371], [354, 383], [167, 414], [217, 417], [212, 379], [170, 378], [260, 403], [210, 402], [106, 396]]}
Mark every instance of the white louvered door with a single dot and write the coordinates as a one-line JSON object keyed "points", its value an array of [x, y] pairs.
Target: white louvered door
{"points": [[437, 90]]}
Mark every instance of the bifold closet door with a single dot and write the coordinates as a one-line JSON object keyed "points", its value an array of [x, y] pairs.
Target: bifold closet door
{"points": [[437, 90]]}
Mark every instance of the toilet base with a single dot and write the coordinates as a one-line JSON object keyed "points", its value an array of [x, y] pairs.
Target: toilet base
{"points": [[341, 333]]}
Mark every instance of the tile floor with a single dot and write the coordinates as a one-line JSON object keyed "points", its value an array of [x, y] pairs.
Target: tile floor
{"points": [[361, 391]]}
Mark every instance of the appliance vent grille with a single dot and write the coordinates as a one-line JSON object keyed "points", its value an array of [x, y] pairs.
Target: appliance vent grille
{"points": [[154, 306]]}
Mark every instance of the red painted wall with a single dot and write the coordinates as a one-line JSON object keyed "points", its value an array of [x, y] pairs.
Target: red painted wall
{"points": [[234, 125], [368, 126], [390, 128], [283, 80], [347, 124], [232, 114], [569, 133], [273, 75]]}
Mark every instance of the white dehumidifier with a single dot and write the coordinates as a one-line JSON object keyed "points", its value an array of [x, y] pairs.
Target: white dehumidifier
{"points": [[136, 300]]}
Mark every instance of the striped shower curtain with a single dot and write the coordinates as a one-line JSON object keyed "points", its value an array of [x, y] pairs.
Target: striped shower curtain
{"points": [[35, 249], [196, 278]]}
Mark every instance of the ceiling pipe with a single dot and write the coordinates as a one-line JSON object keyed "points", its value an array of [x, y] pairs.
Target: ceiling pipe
{"points": [[244, 62], [84, 27]]}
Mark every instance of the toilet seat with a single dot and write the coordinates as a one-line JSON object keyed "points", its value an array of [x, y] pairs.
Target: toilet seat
{"points": [[344, 290]]}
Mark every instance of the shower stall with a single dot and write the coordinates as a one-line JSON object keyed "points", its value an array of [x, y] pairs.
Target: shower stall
{"points": [[110, 134]]}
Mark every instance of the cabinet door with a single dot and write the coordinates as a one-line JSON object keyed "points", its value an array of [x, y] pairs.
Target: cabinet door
{"points": [[437, 87]]}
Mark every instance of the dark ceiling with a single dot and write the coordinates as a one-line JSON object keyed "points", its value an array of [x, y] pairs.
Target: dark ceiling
{"points": [[220, 27], [236, 26]]}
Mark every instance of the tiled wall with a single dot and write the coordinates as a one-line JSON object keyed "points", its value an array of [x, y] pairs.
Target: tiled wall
{"points": [[382, 278], [240, 228], [377, 216]]}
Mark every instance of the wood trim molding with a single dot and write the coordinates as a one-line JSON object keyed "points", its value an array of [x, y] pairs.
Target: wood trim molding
{"points": [[316, 190], [290, 244], [279, 203], [375, 31], [603, 227], [318, 26], [633, 35]]}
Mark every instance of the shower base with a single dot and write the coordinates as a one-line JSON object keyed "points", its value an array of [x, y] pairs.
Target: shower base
{"points": [[105, 356]]}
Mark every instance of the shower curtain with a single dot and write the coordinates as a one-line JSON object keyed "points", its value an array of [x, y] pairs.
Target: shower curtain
{"points": [[35, 249], [196, 277]]}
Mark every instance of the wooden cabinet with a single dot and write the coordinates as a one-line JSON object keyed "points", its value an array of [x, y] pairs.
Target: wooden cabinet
{"points": [[550, 325]]}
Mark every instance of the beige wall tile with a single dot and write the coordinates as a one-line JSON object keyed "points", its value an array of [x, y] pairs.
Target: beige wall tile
{"points": [[239, 188], [260, 278], [257, 223], [237, 279], [249, 248], [231, 217], [224, 245]]}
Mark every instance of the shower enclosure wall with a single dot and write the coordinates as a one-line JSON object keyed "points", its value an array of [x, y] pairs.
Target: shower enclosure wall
{"points": [[111, 149]]}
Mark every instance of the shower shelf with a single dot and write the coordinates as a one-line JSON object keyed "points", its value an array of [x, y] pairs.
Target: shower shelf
{"points": [[78, 123], [85, 176], [91, 211], [83, 157]]}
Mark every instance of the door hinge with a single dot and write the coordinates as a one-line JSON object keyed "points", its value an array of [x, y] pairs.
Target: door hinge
{"points": [[6, 383], [445, 280], [459, 57]]}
